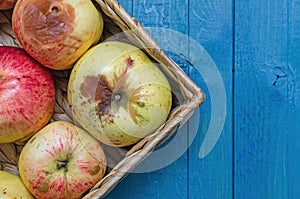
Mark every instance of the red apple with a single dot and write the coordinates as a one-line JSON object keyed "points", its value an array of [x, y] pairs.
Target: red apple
{"points": [[27, 95], [61, 161], [7, 4], [56, 33]]}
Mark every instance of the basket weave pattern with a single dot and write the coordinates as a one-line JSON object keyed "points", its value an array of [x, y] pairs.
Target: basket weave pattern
{"points": [[188, 97]]}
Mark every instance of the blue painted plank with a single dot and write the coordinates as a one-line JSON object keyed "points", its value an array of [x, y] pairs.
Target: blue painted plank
{"points": [[211, 26], [293, 75], [261, 99], [170, 181]]}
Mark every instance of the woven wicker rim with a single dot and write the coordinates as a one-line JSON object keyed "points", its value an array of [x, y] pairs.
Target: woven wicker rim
{"points": [[192, 98]]}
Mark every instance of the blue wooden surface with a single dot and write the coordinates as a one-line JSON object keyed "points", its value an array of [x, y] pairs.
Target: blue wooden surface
{"points": [[293, 81], [256, 47], [261, 67]]}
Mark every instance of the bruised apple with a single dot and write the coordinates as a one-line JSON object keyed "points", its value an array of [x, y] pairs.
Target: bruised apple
{"points": [[7, 4], [56, 32], [27, 95], [118, 94], [11, 186], [61, 161]]}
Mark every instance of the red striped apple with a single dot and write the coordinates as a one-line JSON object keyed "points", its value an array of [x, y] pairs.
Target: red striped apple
{"points": [[11, 186], [27, 95], [56, 33], [61, 161], [7, 4], [118, 94]]}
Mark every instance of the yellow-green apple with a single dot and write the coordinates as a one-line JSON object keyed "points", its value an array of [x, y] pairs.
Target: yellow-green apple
{"points": [[27, 95], [56, 32], [118, 94], [61, 161], [7, 4], [11, 186]]}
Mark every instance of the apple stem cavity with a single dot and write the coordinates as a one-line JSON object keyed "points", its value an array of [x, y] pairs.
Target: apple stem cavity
{"points": [[62, 165], [117, 97], [55, 10]]}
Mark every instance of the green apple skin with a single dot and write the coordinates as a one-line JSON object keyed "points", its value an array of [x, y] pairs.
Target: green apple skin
{"points": [[61, 161], [11, 186], [118, 94], [56, 32]]}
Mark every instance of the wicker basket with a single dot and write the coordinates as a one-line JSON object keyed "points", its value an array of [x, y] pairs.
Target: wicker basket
{"points": [[187, 97]]}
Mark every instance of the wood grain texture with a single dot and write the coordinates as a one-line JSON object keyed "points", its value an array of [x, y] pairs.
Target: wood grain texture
{"points": [[261, 99], [293, 75], [211, 26]]}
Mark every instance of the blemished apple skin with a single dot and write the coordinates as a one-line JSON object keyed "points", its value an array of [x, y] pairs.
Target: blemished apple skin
{"points": [[11, 186], [27, 95], [7, 4], [61, 161], [56, 32], [118, 94]]}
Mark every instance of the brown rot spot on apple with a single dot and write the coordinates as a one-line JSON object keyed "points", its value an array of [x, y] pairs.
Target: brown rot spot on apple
{"points": [[96, 89], [43, 187], [48, 21], [94, 170]]}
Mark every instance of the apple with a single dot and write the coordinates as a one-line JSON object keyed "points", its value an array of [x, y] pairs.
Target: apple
{"points": [[118, 94], [56, 33], [7, 4], [27, 95], [11, 186], [61, 161]]}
